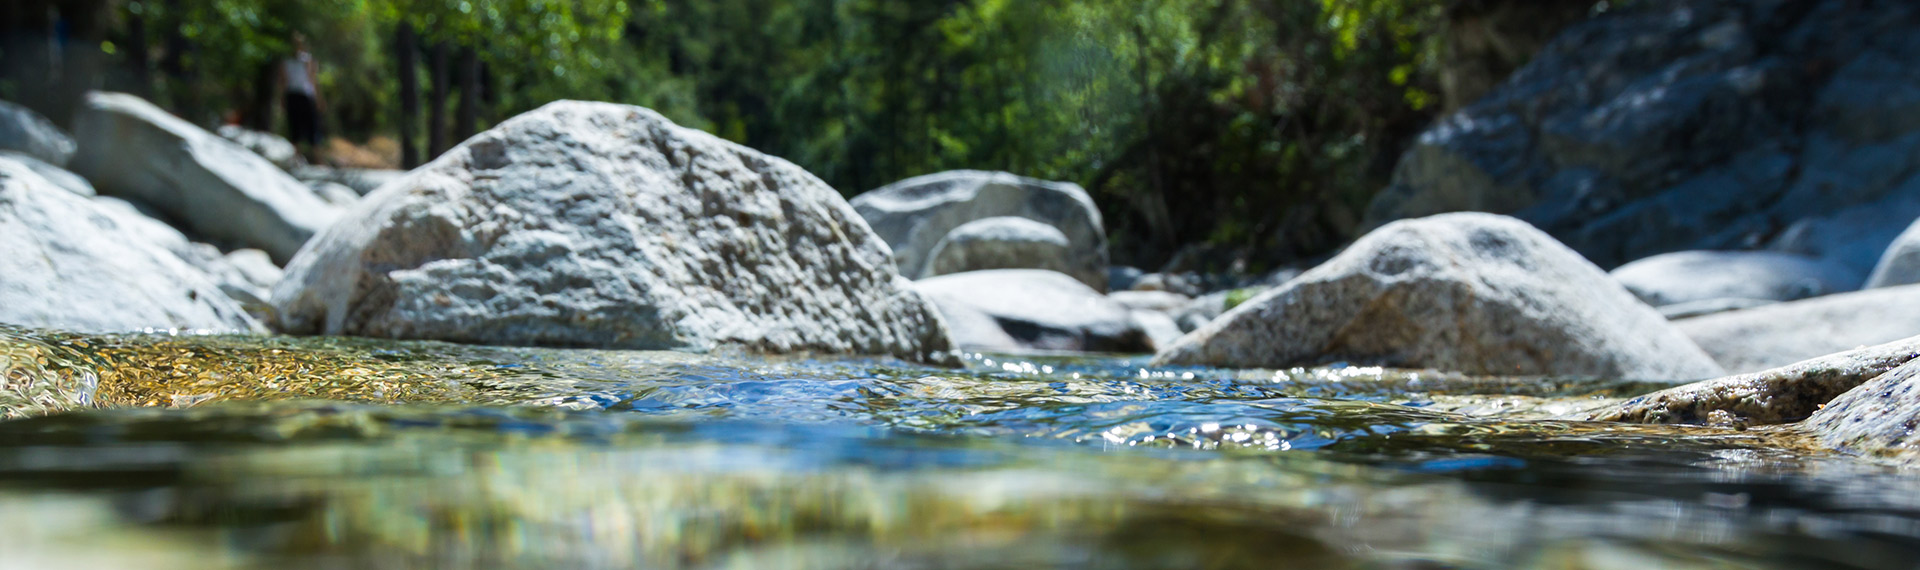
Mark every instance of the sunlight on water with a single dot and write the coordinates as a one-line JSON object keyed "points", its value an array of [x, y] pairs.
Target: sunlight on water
{"points": [[198, 451]]}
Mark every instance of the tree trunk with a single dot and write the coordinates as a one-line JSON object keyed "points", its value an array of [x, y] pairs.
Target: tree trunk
{"points": [[137, 67], [404, 43], [468, 120], [437, 101]]}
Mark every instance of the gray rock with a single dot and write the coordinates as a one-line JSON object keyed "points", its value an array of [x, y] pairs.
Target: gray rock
{"points": [[247, 275], [335, 193], [603, 225], [1177, 283], [1161, 301], [276, 150], [1706, 307], [1001, 242], [1877, 418], [58, 176], [913, 215], [1121, 277], [26, 132], [1690, 125], [362, 180], [1158, 326], [1035, 309], [1471, 293], [1688, 276], [216, 189], [1900, 264], [1786, 394], [75, 265], [1776, 335]]}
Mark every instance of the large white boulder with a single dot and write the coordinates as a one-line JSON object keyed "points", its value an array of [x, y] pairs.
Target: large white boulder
{"points": [[1900, 264], [1473, 293], [76, 265], [915, 214], [603, 225], [216, 189]]}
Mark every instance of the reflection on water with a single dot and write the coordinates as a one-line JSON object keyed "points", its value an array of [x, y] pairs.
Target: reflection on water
{"points": [[436, 455]]}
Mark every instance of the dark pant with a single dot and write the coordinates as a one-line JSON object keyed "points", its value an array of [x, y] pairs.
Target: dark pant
{"points": [[303, 119]]}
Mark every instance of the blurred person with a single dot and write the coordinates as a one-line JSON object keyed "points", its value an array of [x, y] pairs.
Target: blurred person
{"points": [[300, 87]]}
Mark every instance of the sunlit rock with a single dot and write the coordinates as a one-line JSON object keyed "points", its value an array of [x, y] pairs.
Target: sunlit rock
{"points": [[1786, 394], [1002, 242], [74, 264], [1880, 417], [26, 132], [1764, 337], [269, 146], [1033, 309], [1473, 293], [915, 214], [601, 225], [1900, 264], [216, 189], [1690, 276], [58, 176]]}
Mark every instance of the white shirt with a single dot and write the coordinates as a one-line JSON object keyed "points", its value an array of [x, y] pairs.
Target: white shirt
{"points": [[295, 68]]}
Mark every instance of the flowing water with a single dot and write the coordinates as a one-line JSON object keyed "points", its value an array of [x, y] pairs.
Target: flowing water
{"points": [[162, 451]]}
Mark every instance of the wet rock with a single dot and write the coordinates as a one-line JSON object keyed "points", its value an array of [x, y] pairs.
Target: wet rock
{"points": [[58, 176], [75, 265], [26, 132], [1035, 309], [602, 225], [1472, 293], [1689, 276], [1001, 242], [1878, 418], [214, 188], [1779, 334], [915, 214], [1693, 125], [1900, 264], [1786, 394], [276, 150]]}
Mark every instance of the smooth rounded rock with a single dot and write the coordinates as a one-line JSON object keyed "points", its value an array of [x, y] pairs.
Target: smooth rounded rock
{"points": [[1033, 309], [1471, 293], [75, 265], [1783, 333], [26, 132], [602, 225], [915, 214], [217, 190], [58, 176], [1689, 276], [1002, 242], [1900, 265], [272, 147]]}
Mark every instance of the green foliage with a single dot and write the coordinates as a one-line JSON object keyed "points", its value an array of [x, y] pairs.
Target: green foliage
{"points": [[1258, 125]]}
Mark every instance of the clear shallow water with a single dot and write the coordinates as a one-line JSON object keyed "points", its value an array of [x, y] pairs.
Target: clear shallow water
{"points": [[344, 453]]}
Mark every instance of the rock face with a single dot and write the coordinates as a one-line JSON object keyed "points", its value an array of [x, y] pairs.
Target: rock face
{"points": [[915, 214], [75, 265], [1877, 418], [1780, 334], [602, 225], [1009, 309], [269, 146], [1694, 124], [216, 189], [1900, 265], [1002, 242], [1692, 276], [58, 176], [1780, 395], [1473, 293], [26, 132]]}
